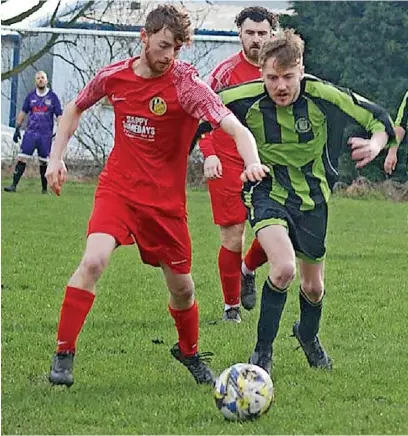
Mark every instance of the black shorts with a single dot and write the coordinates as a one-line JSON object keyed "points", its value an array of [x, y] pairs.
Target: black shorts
{"points": [[307, 229]]}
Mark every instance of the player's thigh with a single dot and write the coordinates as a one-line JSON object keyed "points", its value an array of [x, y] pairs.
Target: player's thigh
{"points": [[28, 145], [270, 221], [225, 196], [162, 239], [277, 245], [309, 234], [44, 147], [98, 250], [111, 216]]}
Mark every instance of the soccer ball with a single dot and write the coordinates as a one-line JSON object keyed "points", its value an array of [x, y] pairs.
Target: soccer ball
{"points": [[243, 392]]}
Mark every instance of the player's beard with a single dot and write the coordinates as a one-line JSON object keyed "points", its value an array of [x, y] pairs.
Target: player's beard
{"points": [[252, 53], [155, 66]]}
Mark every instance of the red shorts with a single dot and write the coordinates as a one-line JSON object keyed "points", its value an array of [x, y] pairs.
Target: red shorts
{"points": [[161, 239], [225, 194]]}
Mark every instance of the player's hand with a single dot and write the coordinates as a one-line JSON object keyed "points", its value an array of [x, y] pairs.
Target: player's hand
{"points": [[390, 161], [363, 150], [212, 167], [17, 135], [254, 172], [56, 175]]}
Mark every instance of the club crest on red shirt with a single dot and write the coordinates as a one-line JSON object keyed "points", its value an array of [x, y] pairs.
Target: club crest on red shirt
{"points": [[158, 106]]}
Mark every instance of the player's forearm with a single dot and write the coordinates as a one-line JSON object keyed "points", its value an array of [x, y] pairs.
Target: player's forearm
{"points": [[66, 128], [243, 138], [392, 151], [399, 133], [380, 139], [247, 148], [20, 119]]}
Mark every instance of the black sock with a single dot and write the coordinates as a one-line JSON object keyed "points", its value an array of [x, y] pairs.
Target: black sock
{"points": [[43, 169], [272, 304], [18, 172], [310, 314]]}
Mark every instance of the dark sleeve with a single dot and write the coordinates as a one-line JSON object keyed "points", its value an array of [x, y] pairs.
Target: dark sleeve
{"points": [[203, 128]]}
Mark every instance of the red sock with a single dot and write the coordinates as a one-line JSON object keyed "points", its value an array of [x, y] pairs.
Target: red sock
{"points": [[255, 256], [229, 265], [187, 328], [75, 307]]}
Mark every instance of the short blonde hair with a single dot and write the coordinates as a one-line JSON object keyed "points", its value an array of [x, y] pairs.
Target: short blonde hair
{"points": [[285, 46], [41, 72]]}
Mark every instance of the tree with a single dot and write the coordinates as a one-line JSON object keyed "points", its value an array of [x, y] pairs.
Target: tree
{"points": [[358, 45]]}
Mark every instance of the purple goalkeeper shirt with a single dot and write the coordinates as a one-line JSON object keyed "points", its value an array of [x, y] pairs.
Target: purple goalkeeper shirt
{"points": [[41, 111]]}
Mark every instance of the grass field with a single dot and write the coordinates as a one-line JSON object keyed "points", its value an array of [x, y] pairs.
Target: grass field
{"points": [[127, 384]]}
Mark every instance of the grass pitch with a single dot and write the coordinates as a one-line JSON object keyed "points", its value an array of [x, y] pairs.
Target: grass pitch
{"points": [[127, 382]]}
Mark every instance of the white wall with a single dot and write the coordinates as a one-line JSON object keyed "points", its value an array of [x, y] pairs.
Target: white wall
{"points": [[6, 64]]}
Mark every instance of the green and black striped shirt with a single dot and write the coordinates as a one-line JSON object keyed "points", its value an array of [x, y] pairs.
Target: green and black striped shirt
{"points": [[301, 143]]}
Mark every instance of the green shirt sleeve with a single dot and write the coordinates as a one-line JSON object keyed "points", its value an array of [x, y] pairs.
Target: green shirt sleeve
{"points": [[368, 115]]}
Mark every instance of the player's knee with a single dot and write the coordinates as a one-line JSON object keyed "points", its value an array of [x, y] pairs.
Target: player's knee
{"points": [[94, 265], [233, 244], [232, 237], [182, 292], [283, 274], [314, 289], [182, 287]]}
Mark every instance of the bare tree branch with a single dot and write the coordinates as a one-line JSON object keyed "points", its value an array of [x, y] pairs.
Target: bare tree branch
{"points": [[54, 14], [80, 70], [49, 44], [23, 15], [81, 12], [23, 65], [86, 146]]}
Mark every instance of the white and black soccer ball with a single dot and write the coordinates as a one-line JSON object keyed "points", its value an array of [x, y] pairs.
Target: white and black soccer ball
{"points": [[243, 392]]}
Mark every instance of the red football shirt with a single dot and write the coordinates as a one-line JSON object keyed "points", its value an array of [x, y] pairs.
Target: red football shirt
{"points": [[233, 71], [155, 122]]}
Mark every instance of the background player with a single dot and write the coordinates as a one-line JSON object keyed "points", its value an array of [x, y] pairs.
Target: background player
{"points": [[401, 128], [41, 105], [223, 166], [140, 196]]}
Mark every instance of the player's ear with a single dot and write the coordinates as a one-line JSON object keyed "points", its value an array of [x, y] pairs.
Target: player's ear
{"points": [[143, 35], [302, 69]]}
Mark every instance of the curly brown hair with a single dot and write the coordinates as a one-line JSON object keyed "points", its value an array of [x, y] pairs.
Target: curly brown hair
{"points": [[257, 14], [173, 18], [286, 47]]}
